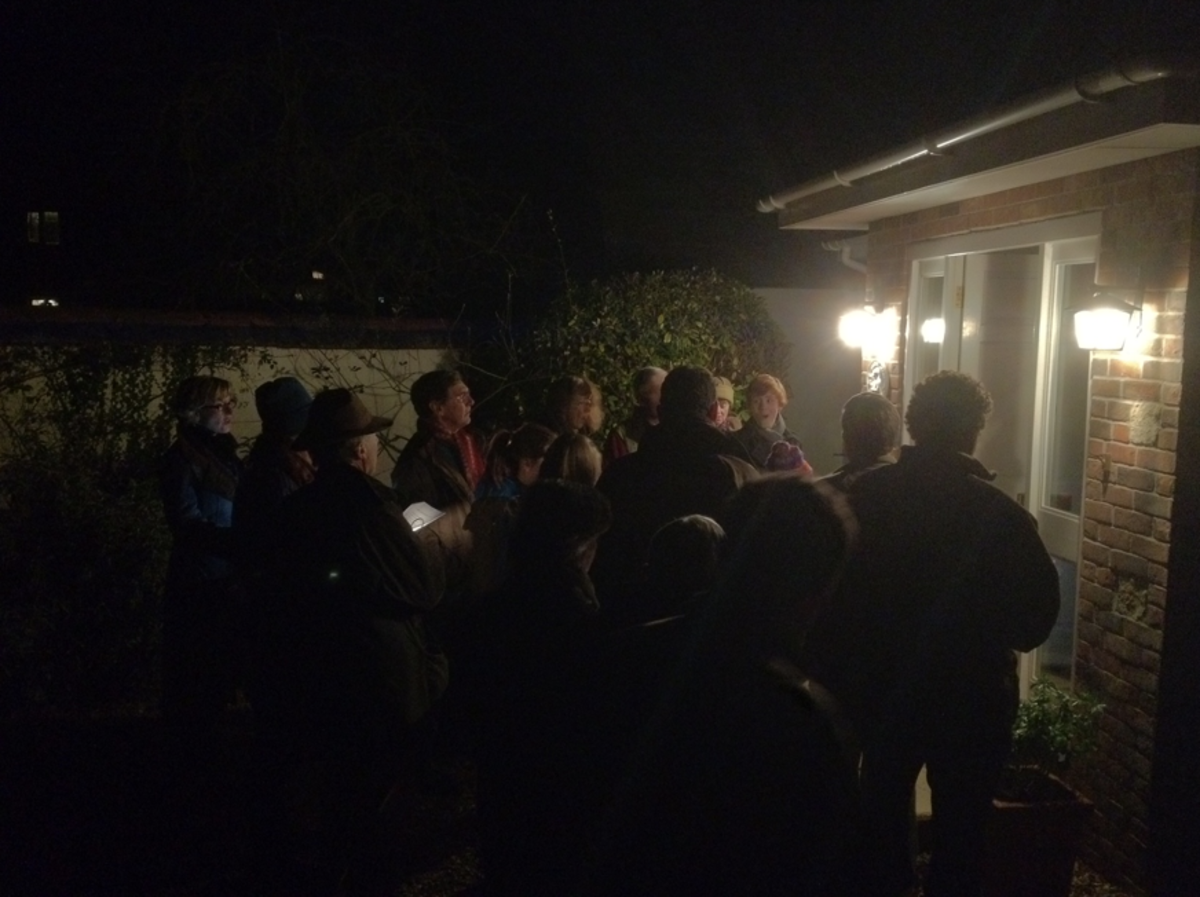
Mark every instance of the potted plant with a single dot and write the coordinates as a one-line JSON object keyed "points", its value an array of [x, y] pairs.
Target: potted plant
{"points": [[1034, 831]]}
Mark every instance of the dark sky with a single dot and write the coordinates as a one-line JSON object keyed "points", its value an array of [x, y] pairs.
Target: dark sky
{"points": [[650, 128]]}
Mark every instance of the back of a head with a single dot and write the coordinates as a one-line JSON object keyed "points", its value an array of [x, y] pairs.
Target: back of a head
{"points": [[948, 410], [555, 520], [507, 448], [283, 406], [787, 539], [574, 457], [870, 427], [687, 394], [683, 554]]}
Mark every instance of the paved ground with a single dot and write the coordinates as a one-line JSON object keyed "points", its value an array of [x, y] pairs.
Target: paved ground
{"points": [[97, 808]]}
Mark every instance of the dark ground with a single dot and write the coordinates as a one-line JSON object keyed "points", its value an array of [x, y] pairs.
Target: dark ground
{"points": [[98, 807]]}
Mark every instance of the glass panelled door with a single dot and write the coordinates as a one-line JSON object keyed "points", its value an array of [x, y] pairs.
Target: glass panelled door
{"points": [[1060, 441], [999, 316]]}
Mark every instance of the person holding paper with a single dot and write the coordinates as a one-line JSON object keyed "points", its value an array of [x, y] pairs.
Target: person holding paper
{"points": [[351, 672], [442, 465]]}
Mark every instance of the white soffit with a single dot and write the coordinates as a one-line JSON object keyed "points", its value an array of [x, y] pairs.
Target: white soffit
{"points": [[1152, 141]]}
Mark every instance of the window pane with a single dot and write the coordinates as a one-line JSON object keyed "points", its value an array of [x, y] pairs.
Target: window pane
{"points": [[1068, 429], [929, 335]]}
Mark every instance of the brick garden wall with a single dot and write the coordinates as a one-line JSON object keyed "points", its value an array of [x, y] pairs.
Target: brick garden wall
{"points": [[1147, 209]]}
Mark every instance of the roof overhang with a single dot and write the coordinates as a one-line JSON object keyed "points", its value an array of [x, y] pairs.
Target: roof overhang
{"points": [[1132, 123]]}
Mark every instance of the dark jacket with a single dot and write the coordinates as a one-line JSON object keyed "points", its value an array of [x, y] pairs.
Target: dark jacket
{"points": [[198, 478], [680, 468], [431, 470], [536, 757], [272, 472], [350, 654], [948, 579], [743, 784], [846, 475]]}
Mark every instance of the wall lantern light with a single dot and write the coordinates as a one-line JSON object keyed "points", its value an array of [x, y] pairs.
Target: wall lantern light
{"points": [[855, 326], [933, 330], [1106, 321], [872, 331]]}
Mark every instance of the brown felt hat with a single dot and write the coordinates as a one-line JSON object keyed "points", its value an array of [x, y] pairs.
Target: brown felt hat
{"points": [[338, 414]]}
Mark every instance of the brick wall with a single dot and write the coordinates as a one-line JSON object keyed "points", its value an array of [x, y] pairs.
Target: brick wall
{"points": [[1147, 210]]}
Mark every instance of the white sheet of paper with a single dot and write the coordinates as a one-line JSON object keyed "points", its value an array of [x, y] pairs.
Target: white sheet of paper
{"points": [[420, 514]]}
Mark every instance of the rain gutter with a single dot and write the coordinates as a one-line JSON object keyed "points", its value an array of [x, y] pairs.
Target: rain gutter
{"points": [[1090, 88]]}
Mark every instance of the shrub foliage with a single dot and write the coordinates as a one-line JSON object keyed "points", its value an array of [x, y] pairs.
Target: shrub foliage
{"points": [[83, 543], [606, 330]]}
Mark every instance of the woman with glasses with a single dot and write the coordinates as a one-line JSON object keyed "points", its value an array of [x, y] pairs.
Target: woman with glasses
{"points": [[197, 479]]}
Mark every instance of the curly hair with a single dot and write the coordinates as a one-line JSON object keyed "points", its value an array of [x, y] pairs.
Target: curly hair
{"points": [[949, 409]]}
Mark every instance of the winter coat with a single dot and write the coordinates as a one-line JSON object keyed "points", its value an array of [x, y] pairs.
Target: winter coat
{"points": [[744, 783], [272, 472], [680, 467], [440, 472], [198, 478], [757, 440], [350, 658], [949, 578], [536, 766]]}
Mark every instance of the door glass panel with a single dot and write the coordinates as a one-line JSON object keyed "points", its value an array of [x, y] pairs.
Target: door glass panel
{"points": [[1002, 308], [930, 325], [1065, 448], [1069, 414]]}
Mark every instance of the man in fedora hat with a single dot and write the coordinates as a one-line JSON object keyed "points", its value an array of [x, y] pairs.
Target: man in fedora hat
{"points": [[353, 673]]}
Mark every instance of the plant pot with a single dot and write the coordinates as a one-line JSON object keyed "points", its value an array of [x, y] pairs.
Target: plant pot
{"points": [[1031, 846]]}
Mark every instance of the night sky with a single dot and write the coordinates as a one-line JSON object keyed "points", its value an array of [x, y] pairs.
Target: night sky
{"points": [[650, 129]]}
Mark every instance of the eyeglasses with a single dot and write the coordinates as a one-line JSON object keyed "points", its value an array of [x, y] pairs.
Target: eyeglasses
{"points": [[228, 406]]}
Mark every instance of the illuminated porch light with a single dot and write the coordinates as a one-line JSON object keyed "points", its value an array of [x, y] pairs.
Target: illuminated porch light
{"points": [[1106, 322], [854, 327], [933, 330], [873, 332]]}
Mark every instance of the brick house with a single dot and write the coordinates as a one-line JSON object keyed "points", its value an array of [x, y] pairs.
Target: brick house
{"points": [[981, 243]]}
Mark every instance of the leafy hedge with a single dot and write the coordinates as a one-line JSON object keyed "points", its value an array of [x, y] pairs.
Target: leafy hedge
{"points": [[83, 542], [607, 330]]}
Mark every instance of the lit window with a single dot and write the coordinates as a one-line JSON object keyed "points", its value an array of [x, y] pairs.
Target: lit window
{"points": [[42, 227]]}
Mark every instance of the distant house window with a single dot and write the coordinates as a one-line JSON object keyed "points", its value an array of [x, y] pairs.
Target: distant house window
{"points": [[50, 230], [42, 227]]}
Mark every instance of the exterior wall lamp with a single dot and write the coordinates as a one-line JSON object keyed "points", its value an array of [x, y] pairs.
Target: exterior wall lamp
{"points": [[1107, 320], [872, 331]]}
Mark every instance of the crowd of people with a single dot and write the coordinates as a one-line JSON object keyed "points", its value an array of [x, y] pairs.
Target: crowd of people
{"points": [[683, 664]]}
